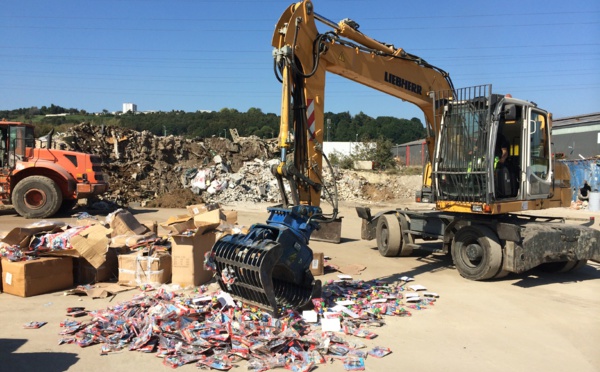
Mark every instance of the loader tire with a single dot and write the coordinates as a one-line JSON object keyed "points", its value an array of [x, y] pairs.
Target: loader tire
{"points": [[389, 235], [67, 206], [37, 197], [477, 253]]}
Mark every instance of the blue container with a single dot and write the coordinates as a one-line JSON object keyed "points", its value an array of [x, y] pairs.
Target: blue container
{"points": [[583, 169]]}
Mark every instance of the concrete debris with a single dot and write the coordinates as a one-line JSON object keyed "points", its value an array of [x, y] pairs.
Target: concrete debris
{"points": [[173, 171], [142, 166]]}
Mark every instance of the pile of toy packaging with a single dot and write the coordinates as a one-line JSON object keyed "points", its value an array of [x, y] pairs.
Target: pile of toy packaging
{"points": [[215, 331]]}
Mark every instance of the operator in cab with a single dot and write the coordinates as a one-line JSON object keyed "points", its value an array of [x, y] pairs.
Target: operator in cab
{"points": [[501, 150]]}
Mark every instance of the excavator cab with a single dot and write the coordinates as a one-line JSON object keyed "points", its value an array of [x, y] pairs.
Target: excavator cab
{"points": [[476, 128]]}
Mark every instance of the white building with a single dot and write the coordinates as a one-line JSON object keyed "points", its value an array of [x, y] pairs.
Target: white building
{"points": [[344, 148], [129, 107]]}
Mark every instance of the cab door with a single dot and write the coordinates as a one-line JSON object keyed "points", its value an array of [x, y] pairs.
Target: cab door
{"points": [[538, 164]]}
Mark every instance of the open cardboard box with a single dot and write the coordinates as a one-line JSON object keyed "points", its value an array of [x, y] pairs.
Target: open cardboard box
{"points": [[188, 257], [178, 224]]}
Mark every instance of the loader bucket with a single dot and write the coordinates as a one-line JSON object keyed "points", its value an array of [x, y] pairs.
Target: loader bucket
{"points": [[270, 266]]}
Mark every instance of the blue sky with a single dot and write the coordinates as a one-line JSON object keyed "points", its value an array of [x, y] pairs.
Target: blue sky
{"points": [[210, 54]]}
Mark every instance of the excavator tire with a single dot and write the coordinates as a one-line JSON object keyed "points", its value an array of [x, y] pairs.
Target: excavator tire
{"points": [[477, 253], [37, 197], [389, 235]]}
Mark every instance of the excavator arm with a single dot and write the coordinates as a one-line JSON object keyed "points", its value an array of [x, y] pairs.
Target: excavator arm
{"points": [[269, 266], [304, 56]]}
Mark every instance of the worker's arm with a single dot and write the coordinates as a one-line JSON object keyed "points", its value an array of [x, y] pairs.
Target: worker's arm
{"points": [[504, 155]]}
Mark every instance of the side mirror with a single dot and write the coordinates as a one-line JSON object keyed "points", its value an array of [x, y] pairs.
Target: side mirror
{"points": [[510, 112]]}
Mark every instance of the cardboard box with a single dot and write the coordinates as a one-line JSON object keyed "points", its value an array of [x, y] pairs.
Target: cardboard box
{"points": [[208, 221], [44, 275], [136, 269], [85, 273], [188, 258], [122, 222], [196, 209], [201, 208], [178, 224], [151, 226], [317, 265], [231, 217]]}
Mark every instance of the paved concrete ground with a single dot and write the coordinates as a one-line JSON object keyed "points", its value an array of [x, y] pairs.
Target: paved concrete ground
{"points": [[529, 322]]}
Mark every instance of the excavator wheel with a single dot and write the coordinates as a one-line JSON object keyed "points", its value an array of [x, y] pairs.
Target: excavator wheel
{"points": [[389, 235], [37, 197], [477, 253]]}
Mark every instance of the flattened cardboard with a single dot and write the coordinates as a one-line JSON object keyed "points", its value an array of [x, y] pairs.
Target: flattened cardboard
{"points": [[136, 269], [208, 221], [92, 244], [101, 290], [178, 224], [88, 221], [21, 236], [188, 258], [31, 278]]}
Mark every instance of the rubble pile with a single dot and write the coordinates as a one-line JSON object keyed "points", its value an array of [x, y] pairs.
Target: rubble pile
{"points": [[354, 186], [173, 171], [142, 166]]}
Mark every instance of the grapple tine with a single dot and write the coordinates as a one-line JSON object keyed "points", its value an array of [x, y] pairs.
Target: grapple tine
{"points": [[250, 266], [269, 266]]}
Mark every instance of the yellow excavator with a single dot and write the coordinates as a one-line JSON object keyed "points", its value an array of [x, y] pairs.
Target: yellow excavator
{"points": [[490, 157]]}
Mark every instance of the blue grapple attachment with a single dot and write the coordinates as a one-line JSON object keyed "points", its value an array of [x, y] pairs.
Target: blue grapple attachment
{"points": [[269, 267]]}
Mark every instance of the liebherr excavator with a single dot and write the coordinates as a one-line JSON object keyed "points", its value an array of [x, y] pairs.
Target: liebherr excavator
{"points": [[478, 190]]}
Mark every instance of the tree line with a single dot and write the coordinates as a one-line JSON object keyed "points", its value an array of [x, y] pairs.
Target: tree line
{"points": [[338, 127]]}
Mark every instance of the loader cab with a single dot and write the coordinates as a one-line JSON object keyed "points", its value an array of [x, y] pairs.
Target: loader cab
{"points": [[17, 140]]}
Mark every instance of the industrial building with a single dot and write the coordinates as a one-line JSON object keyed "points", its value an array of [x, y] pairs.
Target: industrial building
{"points": [[577, 137], [412, 153], [574, 138]]}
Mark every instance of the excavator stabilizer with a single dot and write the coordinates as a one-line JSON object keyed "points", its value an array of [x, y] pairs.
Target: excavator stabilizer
{"points": [[269, 267]]}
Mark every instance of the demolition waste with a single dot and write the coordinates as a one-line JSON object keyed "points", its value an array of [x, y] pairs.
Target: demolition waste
{"points": [[179, 314], [172, 172]]}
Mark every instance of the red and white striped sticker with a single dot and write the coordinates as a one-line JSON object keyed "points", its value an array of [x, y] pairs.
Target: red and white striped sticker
{"points": [[310, 115]]}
